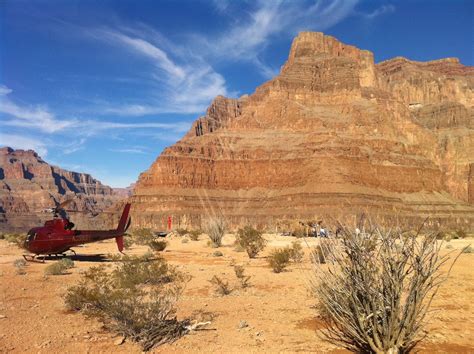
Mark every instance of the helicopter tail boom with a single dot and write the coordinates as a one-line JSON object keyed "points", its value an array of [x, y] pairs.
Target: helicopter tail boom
{"points": [[123, 225]]}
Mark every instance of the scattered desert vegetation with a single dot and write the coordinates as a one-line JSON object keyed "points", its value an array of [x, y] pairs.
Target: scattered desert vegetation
{"points": [[244, 280], [136, 299], [215, 228], [222, 286], [17, 239], [20, 265], [468, 249], [142, 236], [145, 237], [319, 253], [376, 289], [217, 254], [194, 234], [157, 245], [296, 252], [250, 240], [59, 268], [279, 259], [182, 232]]}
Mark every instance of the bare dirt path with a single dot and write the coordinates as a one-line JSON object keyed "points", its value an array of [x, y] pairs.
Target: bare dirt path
{"points": [[278, 308]]}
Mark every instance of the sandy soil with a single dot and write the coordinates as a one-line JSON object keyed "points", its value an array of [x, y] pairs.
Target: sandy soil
{"points": [[278, 308]]}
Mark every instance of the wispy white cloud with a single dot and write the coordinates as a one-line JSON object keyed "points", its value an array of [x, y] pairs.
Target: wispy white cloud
{"points": [[147, 49], [382, 10], [186, 84], [4, 90], [24, 142], [37, 117], [248, 38], [130, 151]]}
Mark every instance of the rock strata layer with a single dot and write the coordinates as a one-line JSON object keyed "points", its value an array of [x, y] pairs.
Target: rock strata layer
{"points": [[333, 135], [29, 185]]}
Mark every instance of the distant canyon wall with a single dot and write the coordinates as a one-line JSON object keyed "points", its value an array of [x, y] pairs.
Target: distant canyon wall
{"points": [[333, 135]]}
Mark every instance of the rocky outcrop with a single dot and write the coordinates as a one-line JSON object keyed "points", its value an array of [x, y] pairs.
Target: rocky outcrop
{"points": [[332, 135], [29, 185]]}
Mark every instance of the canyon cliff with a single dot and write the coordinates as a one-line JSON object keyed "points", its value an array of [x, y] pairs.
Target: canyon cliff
{"points": [[333, 135], [29, 185]]}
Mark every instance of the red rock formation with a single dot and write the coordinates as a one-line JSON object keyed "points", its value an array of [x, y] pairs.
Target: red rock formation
{"points": [[333, 134], [29, 185]]}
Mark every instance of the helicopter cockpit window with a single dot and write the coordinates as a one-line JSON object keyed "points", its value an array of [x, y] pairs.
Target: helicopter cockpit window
{"points": [[31, 236]]}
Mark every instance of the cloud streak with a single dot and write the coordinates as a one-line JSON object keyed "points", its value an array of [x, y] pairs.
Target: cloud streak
{"points": [[23, 142]]}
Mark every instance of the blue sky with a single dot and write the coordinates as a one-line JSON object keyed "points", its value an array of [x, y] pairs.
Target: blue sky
{"points": [[103, 86]]}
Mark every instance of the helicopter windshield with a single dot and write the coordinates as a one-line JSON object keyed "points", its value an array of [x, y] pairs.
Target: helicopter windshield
{"points": [[31, 235]]}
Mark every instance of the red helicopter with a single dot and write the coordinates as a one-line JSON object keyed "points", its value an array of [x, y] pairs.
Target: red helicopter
{"points": [[57, 236]]}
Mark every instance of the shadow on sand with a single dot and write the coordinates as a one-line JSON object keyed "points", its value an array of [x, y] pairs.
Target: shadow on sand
{"points": [[100, 258]]}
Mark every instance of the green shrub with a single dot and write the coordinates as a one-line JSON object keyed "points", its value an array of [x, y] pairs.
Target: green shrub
{"points": [[460, 234], [194, 234], [222, 286], [296, 252], [56, 268], [279, 259], [146, 315], [142, 236], [157, 245], [251, 240], [217, 254], [136, 270]]}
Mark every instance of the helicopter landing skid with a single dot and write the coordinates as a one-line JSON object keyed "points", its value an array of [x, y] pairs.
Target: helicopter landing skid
{"points": [[33, 258]]}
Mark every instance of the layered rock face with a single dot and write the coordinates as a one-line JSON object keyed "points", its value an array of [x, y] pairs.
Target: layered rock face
{"points": [[28, 185], [332, 135]]}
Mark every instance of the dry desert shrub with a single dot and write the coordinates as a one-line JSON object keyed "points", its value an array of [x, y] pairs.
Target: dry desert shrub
{"points": [[216, 228], [194, 235], [376, 288], [251, 240], [279, 259], [137, 300], [182, 232], [217, 254], [320, 252], [299, 232], [296, 252], [142, 236], [20, 265], [157, 245], [17, 239], [222, 286], [56, 268], [239, 271]]}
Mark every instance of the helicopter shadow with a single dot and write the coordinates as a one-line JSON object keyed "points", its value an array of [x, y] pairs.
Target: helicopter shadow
{"points": [[98, 258]]}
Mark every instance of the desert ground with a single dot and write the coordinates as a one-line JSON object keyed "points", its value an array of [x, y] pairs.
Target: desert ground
{"points": [[280, 311]]}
